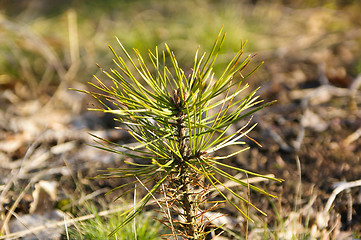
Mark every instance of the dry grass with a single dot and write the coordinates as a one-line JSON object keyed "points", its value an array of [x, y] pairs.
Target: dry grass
{"points": [[312, 67]]}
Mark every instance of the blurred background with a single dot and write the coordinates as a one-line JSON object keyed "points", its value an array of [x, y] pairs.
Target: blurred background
{"points": [[310, 137]]}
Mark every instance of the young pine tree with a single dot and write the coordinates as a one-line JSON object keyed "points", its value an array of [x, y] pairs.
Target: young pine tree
{"points": [[181, 123]]}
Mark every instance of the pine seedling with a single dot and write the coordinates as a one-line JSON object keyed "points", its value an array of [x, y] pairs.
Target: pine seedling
{"points": [[181, 123]]}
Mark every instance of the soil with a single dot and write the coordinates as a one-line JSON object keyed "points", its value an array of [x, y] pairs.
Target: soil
{"points": [[311, 138]]}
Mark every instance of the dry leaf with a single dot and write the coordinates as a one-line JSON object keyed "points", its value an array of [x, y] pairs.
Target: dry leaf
{"points": [[45, 195]]}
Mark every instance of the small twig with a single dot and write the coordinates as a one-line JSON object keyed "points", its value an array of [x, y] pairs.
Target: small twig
{"points": [[21, 222], [299, 184], [16, 203], [356, 84], [340, 188], [73, 36], [66, 228], [277, 138], [352, 137], [322, 93], [169, 216], [90, 196], [322, 76], [301, 135], [349, 209]]}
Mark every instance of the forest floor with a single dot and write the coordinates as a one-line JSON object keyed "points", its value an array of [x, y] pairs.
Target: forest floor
{"points": [[311, 138]]}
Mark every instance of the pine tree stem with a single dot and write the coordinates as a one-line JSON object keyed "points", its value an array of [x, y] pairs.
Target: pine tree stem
{"points": [[188, 208], [184, 184]]}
